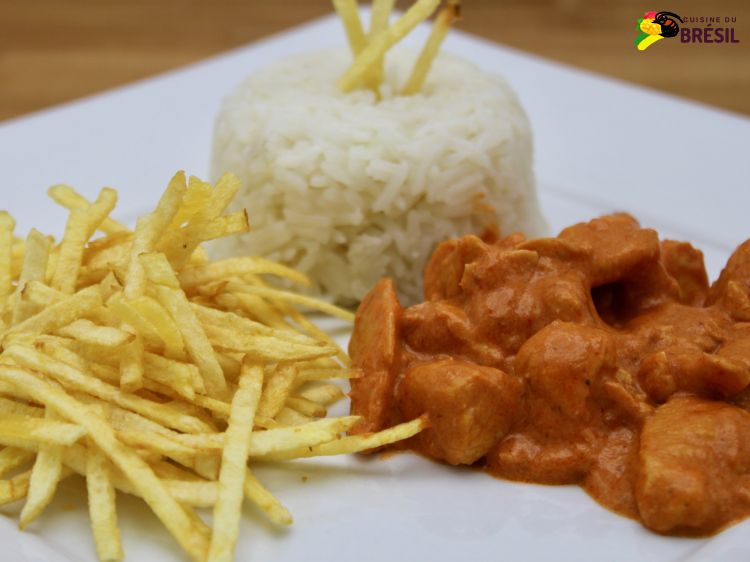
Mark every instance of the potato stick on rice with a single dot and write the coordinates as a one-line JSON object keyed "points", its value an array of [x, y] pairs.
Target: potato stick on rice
{"points": [[371, 54], [379, 19], [381, 13], [45, 476], [440, 28], [349, 14], [167, 509], [234, 458]]}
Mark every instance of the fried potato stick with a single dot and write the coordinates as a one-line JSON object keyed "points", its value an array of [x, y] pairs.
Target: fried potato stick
{"points": [[102, 510], [7, 224], [347, 10], [67, 197], [228, 506], [171, 513], [45, 476], [377, 47]]}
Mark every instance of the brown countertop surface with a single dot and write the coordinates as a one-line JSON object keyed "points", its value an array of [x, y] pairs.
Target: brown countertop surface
{"points": [[53, 51]]}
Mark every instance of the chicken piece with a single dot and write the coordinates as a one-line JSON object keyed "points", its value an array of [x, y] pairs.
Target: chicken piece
{"points": [[616, 244], [609, 480], [445, 269], [737, 345], [470, 407], [671, 325], [533, 457], [736, 301], [673, 370], [693, 470], [374, 349], [685, 264], [562, 364], [737, 271], [623, 401], [511, 295], [441, 327]]}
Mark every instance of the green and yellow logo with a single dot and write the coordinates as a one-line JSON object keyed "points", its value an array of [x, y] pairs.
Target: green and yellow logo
{"points": [[655, 26]]}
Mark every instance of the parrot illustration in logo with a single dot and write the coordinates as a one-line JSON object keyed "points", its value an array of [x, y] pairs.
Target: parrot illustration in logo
{"points": [[655, 26]]}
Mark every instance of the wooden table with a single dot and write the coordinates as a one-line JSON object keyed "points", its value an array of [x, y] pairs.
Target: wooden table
{"points": [[53, 50]]}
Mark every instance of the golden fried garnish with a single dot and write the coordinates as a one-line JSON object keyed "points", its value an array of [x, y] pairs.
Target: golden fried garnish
{"points": [[443, 22], [368, 60], [137, 363]]}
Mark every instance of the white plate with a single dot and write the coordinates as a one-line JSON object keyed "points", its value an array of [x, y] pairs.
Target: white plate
{"points": [[596, 151]]}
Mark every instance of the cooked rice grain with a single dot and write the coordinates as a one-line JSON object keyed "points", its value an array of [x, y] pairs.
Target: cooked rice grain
{"points": [[348, 189]]}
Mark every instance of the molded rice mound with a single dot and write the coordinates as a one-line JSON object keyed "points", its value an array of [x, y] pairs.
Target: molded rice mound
{"points": [[348, 188]]}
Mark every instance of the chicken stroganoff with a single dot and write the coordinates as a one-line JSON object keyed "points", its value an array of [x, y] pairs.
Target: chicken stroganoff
{"points": [[601, 358]]}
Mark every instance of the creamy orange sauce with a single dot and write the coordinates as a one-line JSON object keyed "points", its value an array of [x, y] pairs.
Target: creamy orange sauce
{"points": [[600, 358]]}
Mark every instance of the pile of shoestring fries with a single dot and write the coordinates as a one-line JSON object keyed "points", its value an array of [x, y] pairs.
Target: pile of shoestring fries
{"points": [[133, 360], [369, 49]]}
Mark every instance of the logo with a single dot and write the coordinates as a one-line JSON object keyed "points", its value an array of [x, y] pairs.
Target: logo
{"points": [[655, 26]]}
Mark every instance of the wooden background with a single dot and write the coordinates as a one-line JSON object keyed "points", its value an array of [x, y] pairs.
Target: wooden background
{"points": [[57, 50]]}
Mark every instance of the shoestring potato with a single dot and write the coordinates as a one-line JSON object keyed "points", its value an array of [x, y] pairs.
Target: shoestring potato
{"points": [[132, 360]]}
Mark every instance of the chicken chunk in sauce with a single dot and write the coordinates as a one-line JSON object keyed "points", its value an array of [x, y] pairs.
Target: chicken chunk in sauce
{"points": [[600, 358]]}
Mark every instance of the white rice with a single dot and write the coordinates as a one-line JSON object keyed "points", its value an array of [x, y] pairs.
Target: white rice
{"points": [[349, 189]]}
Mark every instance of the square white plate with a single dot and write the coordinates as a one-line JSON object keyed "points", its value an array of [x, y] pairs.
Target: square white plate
{"points": [[601, 146]]}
